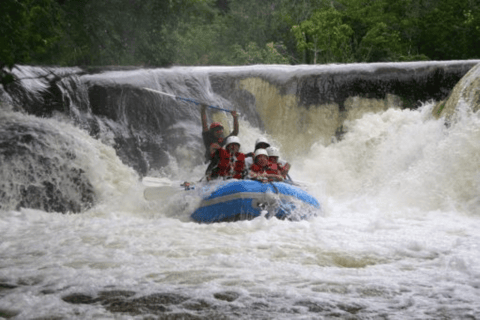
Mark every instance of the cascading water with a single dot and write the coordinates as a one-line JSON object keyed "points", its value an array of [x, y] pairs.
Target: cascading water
{"points": [[397, 237]]}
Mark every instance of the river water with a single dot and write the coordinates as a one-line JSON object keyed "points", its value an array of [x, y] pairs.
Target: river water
{"points": [[397, 236]]}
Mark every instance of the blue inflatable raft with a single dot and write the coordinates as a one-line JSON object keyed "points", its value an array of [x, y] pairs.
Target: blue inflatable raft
{"points": [[236, 200]]}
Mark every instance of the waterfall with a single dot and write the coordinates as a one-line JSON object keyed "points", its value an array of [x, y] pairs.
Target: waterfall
{"points": [[295, 106]]}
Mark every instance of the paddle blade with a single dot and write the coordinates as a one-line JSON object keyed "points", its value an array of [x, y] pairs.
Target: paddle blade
{"points": [[161, 193], [156, 182]]}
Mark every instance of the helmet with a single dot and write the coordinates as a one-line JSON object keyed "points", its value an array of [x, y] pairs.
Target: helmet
{"points": [[216, 125], [261, 151], [273, 152], [261, 140], [232, 139]]}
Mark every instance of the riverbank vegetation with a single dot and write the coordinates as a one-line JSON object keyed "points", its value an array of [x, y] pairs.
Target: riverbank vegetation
{"points": [[235, 32]]}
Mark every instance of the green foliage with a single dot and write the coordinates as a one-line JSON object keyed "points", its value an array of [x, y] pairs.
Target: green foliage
{"points": [[377, 28], [196, 46], [326, 36], [380, 43], [196, 37], [247, 21], [414, 29], [27, 30], [451, 30], [253, 54], [234, 32]]}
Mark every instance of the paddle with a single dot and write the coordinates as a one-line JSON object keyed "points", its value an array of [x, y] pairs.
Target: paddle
{"points": [[161, 188], [161, 192], [189, 100]]}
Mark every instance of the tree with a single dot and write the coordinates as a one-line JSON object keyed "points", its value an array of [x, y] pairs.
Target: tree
{"points": [[27, 29], [451, 30], [380, 44], [247, 21], [326, 36], [109, 32], [253, 54]]}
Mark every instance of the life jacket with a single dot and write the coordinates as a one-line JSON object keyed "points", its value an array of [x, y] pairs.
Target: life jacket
{"points": [[266, 169], [229, 166], [274, 167], [279, 168]]}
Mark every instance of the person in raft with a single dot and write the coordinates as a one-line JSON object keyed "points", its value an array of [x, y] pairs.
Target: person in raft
{"points": [[261, 143], [213, 136], [261, 170], [228, 162], [279, 166]]}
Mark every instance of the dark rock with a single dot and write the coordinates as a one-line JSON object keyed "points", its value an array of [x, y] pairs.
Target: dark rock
{"points": [[227, 296], [79, 298], [7, 314], [41, 173], [197, 305]]}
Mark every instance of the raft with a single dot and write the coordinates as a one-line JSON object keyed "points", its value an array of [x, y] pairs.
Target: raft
{"points": [[235, 200]]}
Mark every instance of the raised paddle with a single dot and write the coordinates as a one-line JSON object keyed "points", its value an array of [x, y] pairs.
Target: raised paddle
{"points": [[189, 100]]}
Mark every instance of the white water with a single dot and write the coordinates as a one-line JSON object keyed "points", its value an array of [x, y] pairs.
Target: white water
{"points": [[398, 237]]}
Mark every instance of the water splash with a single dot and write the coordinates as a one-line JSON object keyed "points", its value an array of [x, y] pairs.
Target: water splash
{"points": [[53, 166]]}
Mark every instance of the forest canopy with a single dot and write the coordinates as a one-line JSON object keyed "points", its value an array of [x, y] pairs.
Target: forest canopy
{"points": [[160, 33]]}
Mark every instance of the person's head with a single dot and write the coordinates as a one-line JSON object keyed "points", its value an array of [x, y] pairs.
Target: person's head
{"points": [[217, 129], [261, 143], [232, 144], [273, 154], [261, 157]]}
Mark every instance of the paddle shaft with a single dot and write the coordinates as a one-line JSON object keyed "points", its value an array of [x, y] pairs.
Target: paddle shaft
{"points": [[188, 100]]}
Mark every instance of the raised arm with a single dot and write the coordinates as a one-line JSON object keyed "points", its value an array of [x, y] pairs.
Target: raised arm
{"points": [[235, 124], [204, 118]]}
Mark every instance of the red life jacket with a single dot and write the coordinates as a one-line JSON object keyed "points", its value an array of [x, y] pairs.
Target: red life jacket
{"points": [[279, 168], [229, 166], [274, 167], [267, 169]]}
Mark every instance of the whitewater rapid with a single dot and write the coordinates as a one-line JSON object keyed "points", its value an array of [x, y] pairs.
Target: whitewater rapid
{"points": [[397, 237]]}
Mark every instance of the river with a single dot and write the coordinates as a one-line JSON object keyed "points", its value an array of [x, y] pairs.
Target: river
{"points": [[397, 236]]}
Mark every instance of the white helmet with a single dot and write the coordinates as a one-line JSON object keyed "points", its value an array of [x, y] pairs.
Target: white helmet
{"points": [[232, 139], [261, 140], [261, 151], [273, 152]]}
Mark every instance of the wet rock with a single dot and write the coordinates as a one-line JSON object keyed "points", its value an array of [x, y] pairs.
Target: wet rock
{"points": [[133, 308], [79, 298], [146, 129], [7, 314], [315, 306], [4, 286], [260, 306], [227, 296], [197, 305], [157, 303], [161, 298], [39, 170], [115, 294], [351, 308], [123, 301], [340, 311]]}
